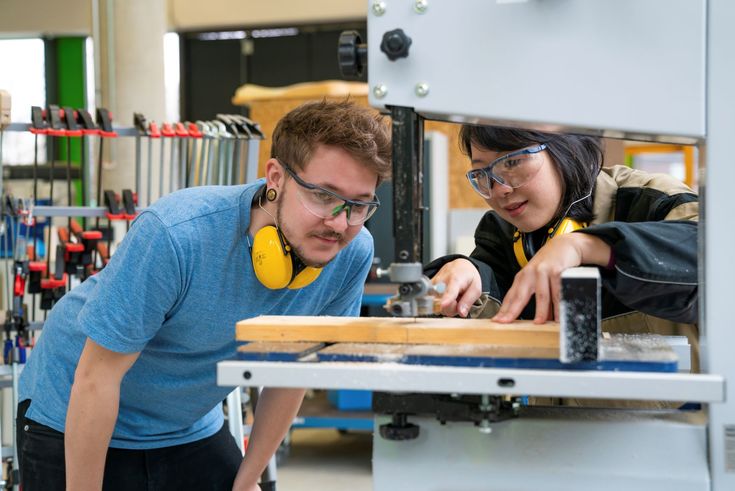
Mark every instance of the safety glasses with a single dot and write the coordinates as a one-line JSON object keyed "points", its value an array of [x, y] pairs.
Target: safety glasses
{"points": [[513, 170], [324, 203]]}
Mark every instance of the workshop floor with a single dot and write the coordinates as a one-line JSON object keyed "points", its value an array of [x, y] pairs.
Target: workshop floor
{"points": [[326, 460]]}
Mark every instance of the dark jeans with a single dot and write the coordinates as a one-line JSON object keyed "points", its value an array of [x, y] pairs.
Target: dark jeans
{"points": [[207, 464]]}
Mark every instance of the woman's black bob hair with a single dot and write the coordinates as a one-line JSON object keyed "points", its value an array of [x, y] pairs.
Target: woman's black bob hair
{"points": [[578, 158]]}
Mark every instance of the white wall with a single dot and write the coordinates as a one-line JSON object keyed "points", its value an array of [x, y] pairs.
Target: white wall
{"points": [[190, 14], [19, 18]]}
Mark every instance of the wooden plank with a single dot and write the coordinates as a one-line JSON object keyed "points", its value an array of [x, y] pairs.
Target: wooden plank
{"points": [[623, 352], [271, 351], [626, 352], [483, 351], [398, 330], [365, 352]]}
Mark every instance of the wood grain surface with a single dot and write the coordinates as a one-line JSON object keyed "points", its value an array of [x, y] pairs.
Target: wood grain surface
{"points": [[451, 331]]}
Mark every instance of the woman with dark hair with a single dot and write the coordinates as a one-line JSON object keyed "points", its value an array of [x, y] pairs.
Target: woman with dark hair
{"points": [[553, 207]]}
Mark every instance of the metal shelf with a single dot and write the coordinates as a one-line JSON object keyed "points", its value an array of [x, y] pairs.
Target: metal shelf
{"points": [[120, 130], [72, 211]]}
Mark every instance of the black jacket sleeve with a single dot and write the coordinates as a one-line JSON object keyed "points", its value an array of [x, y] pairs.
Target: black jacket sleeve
{"points": [[655, 266]]}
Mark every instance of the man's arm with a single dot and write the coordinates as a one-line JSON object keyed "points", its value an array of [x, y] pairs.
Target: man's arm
{"points": [[274, 414], [92, 412]]}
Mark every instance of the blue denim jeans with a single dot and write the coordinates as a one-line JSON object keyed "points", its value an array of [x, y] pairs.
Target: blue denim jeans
{"points": [[207, 464]]}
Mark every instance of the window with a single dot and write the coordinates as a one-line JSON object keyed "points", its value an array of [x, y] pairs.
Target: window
{"points": [[22, 73]]}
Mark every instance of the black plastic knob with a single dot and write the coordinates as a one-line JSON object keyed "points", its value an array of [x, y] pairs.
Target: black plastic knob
{"points": [[351, 54], [395, 44], [399, 429], [398, 433]]}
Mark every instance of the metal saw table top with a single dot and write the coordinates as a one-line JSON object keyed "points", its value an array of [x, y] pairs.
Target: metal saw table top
{"points": [[443, 356]]}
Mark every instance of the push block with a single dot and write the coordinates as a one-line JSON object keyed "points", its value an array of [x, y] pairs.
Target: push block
{"points": [[580, 315]]}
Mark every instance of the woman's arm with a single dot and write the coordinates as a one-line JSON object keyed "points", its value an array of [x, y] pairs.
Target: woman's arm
{"points": [[654, 269], [656, 266]]}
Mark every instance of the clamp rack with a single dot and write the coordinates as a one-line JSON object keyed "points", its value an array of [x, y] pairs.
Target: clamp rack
{"points": [[208, 153]]}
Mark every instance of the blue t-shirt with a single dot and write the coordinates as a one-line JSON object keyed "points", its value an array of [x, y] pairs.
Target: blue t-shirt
{"points": [[173, 290]]}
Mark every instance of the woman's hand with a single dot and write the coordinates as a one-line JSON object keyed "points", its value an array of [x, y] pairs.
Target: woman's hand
{"points": [[542, 275], [463, 286]]}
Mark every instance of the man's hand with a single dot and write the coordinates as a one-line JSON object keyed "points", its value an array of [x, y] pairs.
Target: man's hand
{"points": [[274, 414], [463, 287], [542, 275], [254, 487]]}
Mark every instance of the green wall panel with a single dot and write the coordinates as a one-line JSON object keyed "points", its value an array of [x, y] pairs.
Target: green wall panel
{"points": [[71, 91]]}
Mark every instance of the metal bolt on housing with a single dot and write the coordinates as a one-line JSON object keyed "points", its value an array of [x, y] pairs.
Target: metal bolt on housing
{"points": [[420, 6], [380, 90], [378, 8]]}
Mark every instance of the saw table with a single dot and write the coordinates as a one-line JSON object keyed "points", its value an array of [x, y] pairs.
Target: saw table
{"points": [[446, 387], [453, 356]]}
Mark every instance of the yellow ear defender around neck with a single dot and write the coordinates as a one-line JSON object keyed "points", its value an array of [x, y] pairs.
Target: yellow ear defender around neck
{"points": [[524, 248], [274, 264]]}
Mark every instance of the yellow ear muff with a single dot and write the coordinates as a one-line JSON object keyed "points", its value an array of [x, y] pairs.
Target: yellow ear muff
{"points": [[271, 260], [564, 226], [274, 265], [518, 249], [306, 276]]}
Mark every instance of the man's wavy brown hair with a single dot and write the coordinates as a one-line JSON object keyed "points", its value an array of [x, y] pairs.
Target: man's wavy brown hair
{"points": [[360, 131]]}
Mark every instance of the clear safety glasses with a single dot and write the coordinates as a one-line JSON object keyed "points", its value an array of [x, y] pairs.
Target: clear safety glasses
{"points": [[324, 203], [513, 170]]}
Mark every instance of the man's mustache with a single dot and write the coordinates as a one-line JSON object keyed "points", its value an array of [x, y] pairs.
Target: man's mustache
{"points": [[328, 234]]}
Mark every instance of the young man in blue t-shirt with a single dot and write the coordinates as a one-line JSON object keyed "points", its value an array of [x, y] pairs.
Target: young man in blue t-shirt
{"points": [[120, 390]]}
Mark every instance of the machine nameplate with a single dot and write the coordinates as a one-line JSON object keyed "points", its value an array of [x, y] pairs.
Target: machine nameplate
{"points": [[729, 448]]}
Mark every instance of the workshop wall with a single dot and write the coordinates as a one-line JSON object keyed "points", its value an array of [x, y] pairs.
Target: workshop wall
{"points": [[189, 14], [20, 18], [26, 18]]}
